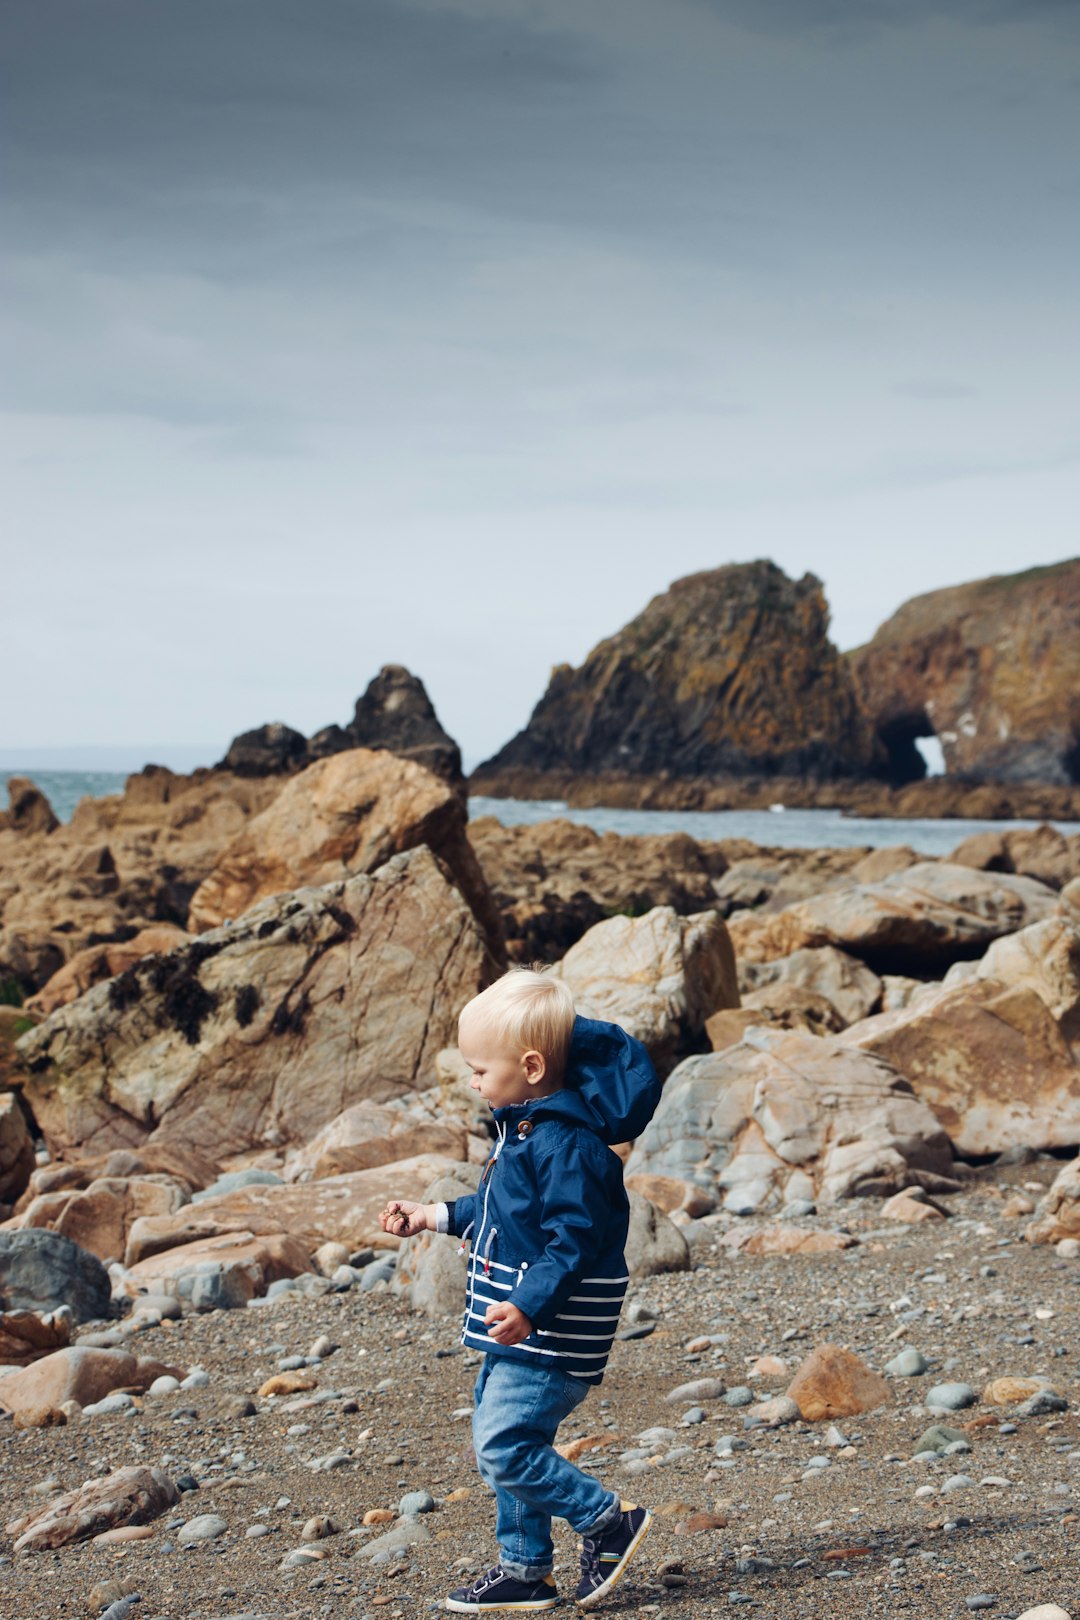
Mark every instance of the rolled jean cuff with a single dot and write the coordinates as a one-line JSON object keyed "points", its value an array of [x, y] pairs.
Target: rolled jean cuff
{"points": [[525, 1572], [611, 1514]]}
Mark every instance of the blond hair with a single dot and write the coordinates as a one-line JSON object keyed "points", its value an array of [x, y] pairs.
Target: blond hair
{"points": [[530, 1011]]}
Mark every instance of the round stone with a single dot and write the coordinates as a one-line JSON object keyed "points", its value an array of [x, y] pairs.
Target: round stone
{"points": [[951, 1397], [204, 1527], [416, 1502], [908, 1364]]}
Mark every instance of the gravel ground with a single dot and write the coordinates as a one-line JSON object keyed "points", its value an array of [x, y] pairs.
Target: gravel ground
{"points": [[849, 1539]]}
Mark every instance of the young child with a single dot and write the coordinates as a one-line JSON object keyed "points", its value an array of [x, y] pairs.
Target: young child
{"points": [[546, 1274]]}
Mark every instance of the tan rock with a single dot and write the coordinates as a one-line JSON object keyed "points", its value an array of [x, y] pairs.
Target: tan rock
{"points": [[1058, 1211], [922, 917], [16, 1149], [989, 1060], [100, 1218], [659, 976], [122, 1533], [1016, 1206], [791, 1006], [378, 1516], [26, 1336], [342, 1209], [262, 1032], [250, 1264], [788, 1240], [127, 1496], [1011, 1391], [39, 1417], [727, 1028], [701, 1521], [768, 1367], [367, 1135], [834, 1383], [288, 1383], [572, 1450], [98, 962], [848, 984], [344, 815], [1044, 958], [912, 1207], [746, 1117], [670, 1194], [81, 1374]]}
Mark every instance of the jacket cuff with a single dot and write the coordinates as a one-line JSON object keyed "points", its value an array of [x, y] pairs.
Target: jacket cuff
{"points": [[442, 1218]]}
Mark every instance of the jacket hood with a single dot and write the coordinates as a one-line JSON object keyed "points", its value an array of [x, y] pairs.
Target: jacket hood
{"points": [[611, 1086]]}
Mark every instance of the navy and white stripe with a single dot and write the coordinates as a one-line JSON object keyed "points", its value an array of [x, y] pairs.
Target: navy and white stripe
{"points": [[579, 1339]]}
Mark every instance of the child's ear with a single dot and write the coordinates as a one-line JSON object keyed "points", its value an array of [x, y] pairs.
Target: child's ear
{"points": [[535, 1066]]}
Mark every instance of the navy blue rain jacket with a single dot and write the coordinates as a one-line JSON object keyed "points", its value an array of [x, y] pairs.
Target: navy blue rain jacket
{"points": [[548, 1223]]}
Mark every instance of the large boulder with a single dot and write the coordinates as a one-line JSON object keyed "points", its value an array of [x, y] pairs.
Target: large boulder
{"points": [[923, 918], [100, 1217], [341, 1209], [16, 1149], [848, 984], [259, 1032], [342, 816], [1039, 852], [98, 962], [1057, 1214], [992, 668], [40, 1271], [792, 1111], [990, 1061], [1044, 958], [653, 1243], [369, 1134], [659, 976], [220, 1272], [725, 674], [554, 879], [79, 1373]]}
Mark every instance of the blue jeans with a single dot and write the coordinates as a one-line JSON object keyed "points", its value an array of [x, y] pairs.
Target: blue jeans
{"points": [[518, 1409]]}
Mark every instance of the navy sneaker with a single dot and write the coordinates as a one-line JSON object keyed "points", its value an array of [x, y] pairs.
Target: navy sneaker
{"points": [[498, 1591], [605, 1557]]}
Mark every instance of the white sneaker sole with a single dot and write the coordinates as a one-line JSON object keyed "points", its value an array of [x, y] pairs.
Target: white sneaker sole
{"points": [[500, 1608], [620, 1569]]}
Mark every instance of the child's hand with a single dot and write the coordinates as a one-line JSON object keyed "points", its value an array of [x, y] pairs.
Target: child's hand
{"points": [[506, 1324], [404, 1219]]}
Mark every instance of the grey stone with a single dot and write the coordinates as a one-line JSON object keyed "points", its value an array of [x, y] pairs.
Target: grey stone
{"points": [[957, 1482], [41, 1271], [699, 1389], [936, 1438], [219, 1289], [653, 1244], [951, 1397], [739, 1396], [1042, 1404], [204, 1527], [416, 1502], [408, 1533], [908, 1364], [798, 1209]]}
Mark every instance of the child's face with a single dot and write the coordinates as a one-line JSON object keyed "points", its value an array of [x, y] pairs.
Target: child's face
{"points": [[502, 1077]]}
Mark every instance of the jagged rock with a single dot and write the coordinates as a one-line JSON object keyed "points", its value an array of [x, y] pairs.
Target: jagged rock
{"points": [[82, 1374], [126, 1496], [653, 1243], [1038, 852], [948, 664], [122, 864], [727, 673], [16, 1149], [1044, 958], [670, 1194], [770, 879], [29, 811], [846, 982], [553, 880], [1057, 1215], [396, 713], [741, 1121], [659, 976], [174, 1160], [40, 1271], [989, 1060], [925, 917], [790, 1006], [367, 1135], [342, 816], [340, 1209], [269, 750], [260, 1032], [99, 1218], [26, 1336], [100, 962]]}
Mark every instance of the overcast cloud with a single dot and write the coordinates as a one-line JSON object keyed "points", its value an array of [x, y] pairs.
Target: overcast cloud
{"points": [[339, 332]]}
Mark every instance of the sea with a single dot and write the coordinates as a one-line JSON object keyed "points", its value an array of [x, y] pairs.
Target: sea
{"points": [[778, 826]]}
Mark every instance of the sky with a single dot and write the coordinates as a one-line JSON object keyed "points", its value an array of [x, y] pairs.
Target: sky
{"points": [[448, 332]]}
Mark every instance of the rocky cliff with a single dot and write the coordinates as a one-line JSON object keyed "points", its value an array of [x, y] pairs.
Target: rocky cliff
{"points": [[728, 673], [991, 668]]}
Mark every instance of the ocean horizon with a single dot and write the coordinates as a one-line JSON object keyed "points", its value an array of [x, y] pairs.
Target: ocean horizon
{"points": [[780, 827]]}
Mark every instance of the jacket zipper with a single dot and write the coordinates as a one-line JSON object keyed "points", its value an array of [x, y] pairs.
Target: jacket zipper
{"points": [[483, 1221]]}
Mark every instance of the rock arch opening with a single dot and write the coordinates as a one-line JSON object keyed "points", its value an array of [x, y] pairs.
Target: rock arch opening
{"points": [[900, 737]]}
